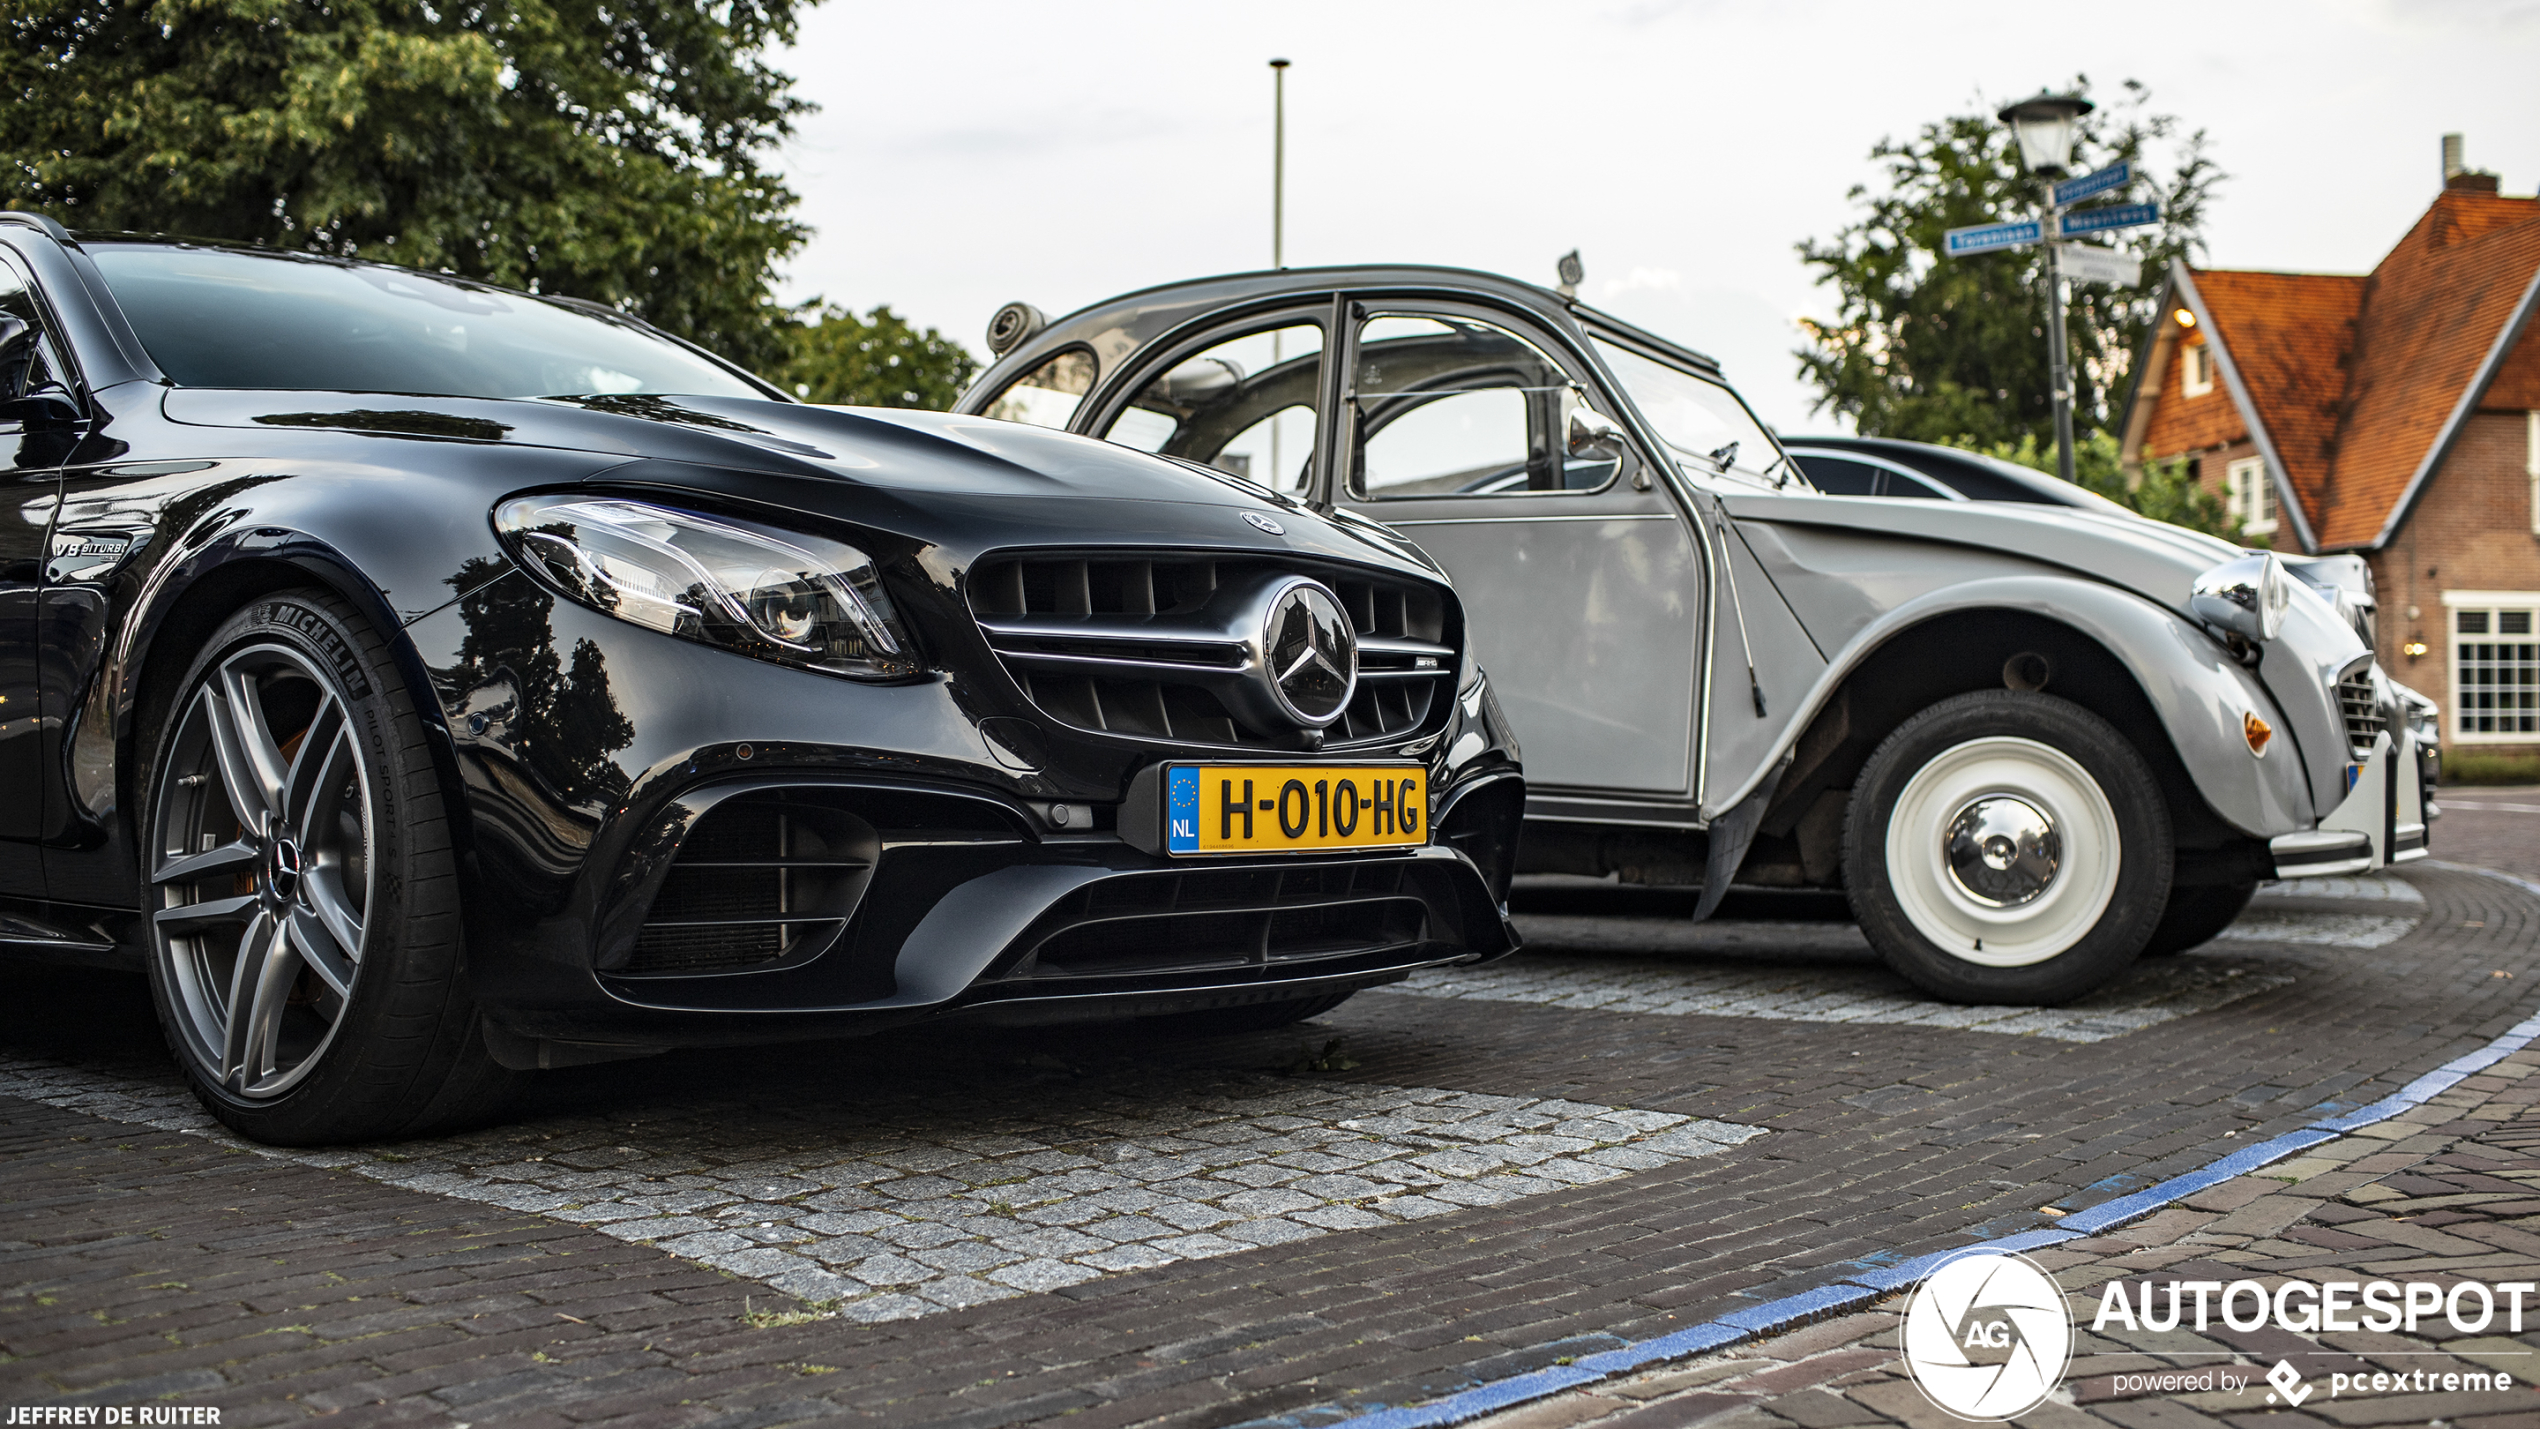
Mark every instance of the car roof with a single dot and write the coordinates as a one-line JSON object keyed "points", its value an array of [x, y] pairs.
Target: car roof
{"points": [[1972, 474], [1128, 322]]}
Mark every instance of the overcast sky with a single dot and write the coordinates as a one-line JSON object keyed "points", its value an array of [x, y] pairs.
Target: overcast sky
{"points": [[971, 153]]}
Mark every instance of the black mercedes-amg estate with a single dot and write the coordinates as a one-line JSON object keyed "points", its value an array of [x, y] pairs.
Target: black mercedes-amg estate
{"points": [[428, 682]]}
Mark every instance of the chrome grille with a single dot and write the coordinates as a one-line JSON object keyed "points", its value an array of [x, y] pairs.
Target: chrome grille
{"points": [[1139, 646], [2361, 711]]}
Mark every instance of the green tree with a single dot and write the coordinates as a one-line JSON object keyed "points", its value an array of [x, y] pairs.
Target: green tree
{"points": [[878, 360], [1932, 348], [609, 151], [2161, 490]]}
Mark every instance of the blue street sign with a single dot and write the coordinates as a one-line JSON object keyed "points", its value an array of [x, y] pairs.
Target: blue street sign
{"points": [[1985, 237], [2073, 191], [2115, 215]]}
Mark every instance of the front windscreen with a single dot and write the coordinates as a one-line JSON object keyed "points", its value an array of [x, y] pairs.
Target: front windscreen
{"points": [[220, 318], [1708, 428]]}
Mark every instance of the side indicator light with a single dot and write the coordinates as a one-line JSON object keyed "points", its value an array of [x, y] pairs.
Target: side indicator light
{"points": [[2257, 732]]}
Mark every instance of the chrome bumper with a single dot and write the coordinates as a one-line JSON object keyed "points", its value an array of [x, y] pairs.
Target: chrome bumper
{"points": [[2382, 820]]}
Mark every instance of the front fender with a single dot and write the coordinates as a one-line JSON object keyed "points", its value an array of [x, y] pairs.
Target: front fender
{"points": [[2200, 694]]}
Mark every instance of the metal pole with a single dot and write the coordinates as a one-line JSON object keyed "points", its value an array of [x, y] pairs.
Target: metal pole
{"points": [[1278, 232], [1278, 163], [2059, 359]]}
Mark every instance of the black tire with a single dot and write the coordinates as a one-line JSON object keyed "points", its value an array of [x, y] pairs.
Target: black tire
{"points": [[1251, 1017], [2038, 803], [293, 807], [2195, 915]]}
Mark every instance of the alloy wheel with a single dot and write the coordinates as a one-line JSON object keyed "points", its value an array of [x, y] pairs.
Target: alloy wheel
{"points": [[261, 868]]}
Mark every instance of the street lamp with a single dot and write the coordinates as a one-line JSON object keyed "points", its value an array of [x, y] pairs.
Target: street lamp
{"points": [[2044, 126]]}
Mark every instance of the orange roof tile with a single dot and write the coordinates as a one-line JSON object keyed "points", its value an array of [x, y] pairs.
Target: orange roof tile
{"points": [[2288, 334], [2357, 378], [2434, 313]]}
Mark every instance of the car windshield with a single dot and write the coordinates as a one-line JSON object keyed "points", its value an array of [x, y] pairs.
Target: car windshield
{"points": [[218, 318], [1710, 430]]}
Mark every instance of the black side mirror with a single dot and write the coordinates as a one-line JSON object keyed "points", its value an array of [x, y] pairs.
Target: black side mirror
{"points": [[49, 406], [47, 403]]}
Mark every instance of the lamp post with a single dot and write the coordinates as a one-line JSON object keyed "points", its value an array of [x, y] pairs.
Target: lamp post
{"points": [[1278, 163], [2044, 127]]}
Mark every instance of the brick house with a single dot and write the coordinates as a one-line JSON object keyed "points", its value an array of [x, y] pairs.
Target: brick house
{"points": [[2395, 414]]}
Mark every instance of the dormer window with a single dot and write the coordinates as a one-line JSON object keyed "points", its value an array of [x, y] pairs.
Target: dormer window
{"points": [[2249, 495], [2196, 373]]}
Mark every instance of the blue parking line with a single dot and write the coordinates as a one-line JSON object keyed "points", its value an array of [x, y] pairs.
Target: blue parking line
{"points": [[1852, 1291]]}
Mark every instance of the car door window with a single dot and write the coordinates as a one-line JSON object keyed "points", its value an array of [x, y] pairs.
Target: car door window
{"points": [[1901, 483], [1048, 395], [1244, 405], [1450, 406], [1836, 476]]}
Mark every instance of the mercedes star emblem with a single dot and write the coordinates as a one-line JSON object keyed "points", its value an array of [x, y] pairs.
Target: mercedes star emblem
{"points": [[1265, 523], [1312, 650]]}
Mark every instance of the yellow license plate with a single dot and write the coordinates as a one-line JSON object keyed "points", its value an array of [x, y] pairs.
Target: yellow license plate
{"points": [[1256, 808]]}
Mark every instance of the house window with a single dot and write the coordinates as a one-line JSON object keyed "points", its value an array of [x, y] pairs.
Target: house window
{"points": [[2531, 464], [2495, 665], [2250, 496], [2197, 372]]}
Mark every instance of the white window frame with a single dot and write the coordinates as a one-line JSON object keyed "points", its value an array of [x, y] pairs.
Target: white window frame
{"points": [[2531, 465], [2458, 711], [2249, 494], [2196, 369]]}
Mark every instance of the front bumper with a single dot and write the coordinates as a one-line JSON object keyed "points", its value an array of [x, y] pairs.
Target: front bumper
{"points": [[2382, 820], [905, 865]]}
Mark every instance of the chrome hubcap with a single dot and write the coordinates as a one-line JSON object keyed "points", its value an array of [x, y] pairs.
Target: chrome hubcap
{"points": [[2003, 851], [261, 869]]}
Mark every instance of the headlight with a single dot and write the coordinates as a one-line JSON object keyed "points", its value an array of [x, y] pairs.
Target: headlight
{"points": [[2247, 597], [777, 595]]}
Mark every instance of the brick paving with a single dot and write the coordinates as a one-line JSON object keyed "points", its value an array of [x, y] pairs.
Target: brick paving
{"points": [[2446, 1194], [1825, 972], [2490, 827], [1886, 1140]]}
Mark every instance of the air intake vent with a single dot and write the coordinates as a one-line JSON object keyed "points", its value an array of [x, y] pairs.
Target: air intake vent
{"points": [[2361, 711], [759, 883], [1154, 647], [1215, 920]]}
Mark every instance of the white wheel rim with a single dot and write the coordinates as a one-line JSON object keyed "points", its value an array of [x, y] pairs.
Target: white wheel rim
{"points": [[2084, 854]]}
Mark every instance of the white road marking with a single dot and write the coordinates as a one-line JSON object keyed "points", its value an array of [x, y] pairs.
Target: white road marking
{"points": [[934, 1201], [2373, 888], [1825, 972], [1864, 991]]}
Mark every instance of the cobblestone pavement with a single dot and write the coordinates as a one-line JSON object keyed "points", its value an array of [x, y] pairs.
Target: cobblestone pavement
{"points": [[144, 1262], [2446, 1194], [941, 1203]]}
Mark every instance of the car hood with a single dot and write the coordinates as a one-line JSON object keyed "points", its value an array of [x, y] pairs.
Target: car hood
{"points": [[872, 446], [2154, 559], [967, 481]]}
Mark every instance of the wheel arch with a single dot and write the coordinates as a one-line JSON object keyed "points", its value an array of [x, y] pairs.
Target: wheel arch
{"points": [[190, 596], [2177, 696]]}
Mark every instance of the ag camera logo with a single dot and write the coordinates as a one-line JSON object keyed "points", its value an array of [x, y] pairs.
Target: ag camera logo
{"points": [[1987, 1336]]}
